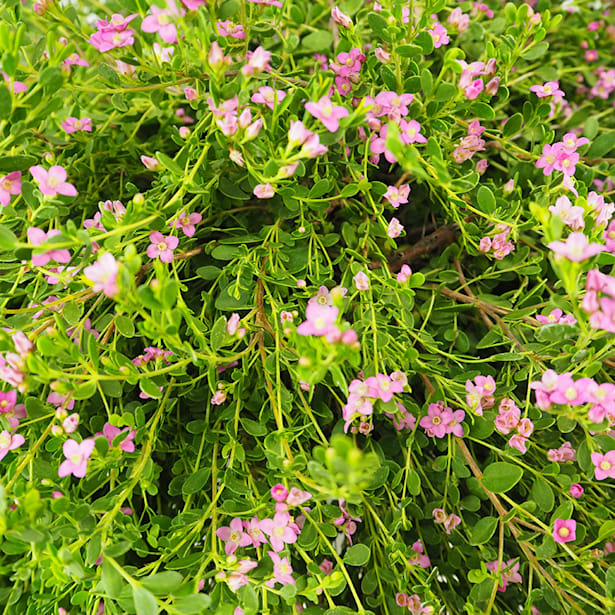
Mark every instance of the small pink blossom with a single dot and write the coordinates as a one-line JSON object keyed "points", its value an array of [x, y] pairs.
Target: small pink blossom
{"points": [[341, 18], [53, 182], [73, 124], [162, 247], [328, 113], [9, 442], [361, 281], [9, 184], [439, 35], [268, 96], [150, 163], [111, 432], [320, 320], [576, 248], [37, 237], [228, 28], [397, 195], [410, 132], [187, 222], [437, 419], [264, 191], [551, 88], [104, 274], [282, 571], [160, 21], [564, 530], [280, 531], [77, 455], [404, 274], [604, 465], [576, 490], [233, 536], [395, 228]]}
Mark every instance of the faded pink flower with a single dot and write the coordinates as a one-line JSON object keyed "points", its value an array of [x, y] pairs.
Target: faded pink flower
{"points": [[361, 281], [103, 274], [73, 124], [268, 96], [576, 248], [9, 442], [397, 195], [264, 191], [160, 21], [282, 571], [111, 432]]}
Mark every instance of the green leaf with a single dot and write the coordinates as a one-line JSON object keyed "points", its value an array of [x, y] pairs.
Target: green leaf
{"points": [[486, 200], [168, 163], [108, 74], [218, 333], [500, 477], [425, 40], [125, 325], [319, 189], [357, 555], [8, 240], [317, 41], [162, 582], [414, 482], [145, 602], [513, 125], [378, 24], [536, 52], [408, 51], [192, 605], [6, 102], [16, 163], [150, 388], [602, 145], [111, 580], [195, 482], [483, 530], [542, 494], [483, 111]]}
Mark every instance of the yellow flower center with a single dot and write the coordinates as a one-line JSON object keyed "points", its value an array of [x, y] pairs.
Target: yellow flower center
{"points": [[605, 465], [564, 532]]}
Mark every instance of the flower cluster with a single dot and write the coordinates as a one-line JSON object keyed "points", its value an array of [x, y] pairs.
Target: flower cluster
{"points": [[556, 317], [113, 33], [363, 395], [499, 245], [442, 420], [508, 571], [412, 603], [562, 389], [277, 532], [480, 394], [509, 419], [471, 80], [472, 143], [599, 300], [346, 521], [450, 521]]}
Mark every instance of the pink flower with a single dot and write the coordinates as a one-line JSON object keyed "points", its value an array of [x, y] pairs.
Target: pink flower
{"points": [[576, 248], [159, 21], [549, 159], [218, 398], [341, 18], [439, 35], [53, 182], [77, 455], [361, 281], [110, 432], [7, 401], [608, 236], [150, 163], [113, 34], [551, 88], [410, 132], [264, 191], [73, 124], [296, 497], [37, 237], [437, 419], [268, 96], [404, 274], [190, 93], [328, 113], [452, 521], [193, 5], [9, 442], [419, 556], [454, 426], [233, 536], [228, 28], [320, 320], [279, 492], [17, 86], [509, 572], [604, 465], [103, 274], [397, 196], [253, 529], [519, 442], [282, 571], [576, 490], [473, 90], [9, 184], [571, 142], [395, 228], [187, 222], [280, 530], [564, 530], [162, 247]]}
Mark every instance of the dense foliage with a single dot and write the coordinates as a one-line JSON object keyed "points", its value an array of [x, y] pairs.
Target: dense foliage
{"points": [[306, 307]]}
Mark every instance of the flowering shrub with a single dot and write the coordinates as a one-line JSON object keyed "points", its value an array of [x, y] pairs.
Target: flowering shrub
{"points": [[307, 308]]}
